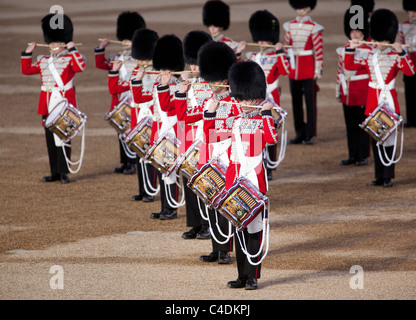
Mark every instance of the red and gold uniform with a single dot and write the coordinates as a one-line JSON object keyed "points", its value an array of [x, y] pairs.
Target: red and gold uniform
{"points": [[306, 64], [390, 62], [382, 65], [67, 63]]}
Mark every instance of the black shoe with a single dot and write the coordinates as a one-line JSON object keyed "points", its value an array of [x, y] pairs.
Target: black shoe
{"points": [[377, 182], [129, 169], [137, 197], [308, 141], [387, 183], [361, 162], [347, 162], [251, 284], [239, 283], [155, 215], [168, 215], [223, 257], [148, 199], [119, 169], [297, 140], [204, 233], [212, 257], [64, 178], [191, 234], [52, 177]]}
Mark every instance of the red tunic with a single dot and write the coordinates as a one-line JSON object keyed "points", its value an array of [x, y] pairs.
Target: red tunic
{"points": [[144, 96], [189, 111], [390, 63], [255, 131], [224, 111], [274, 64], [103, 63], [352, 85], [67, 63], [305, 36]]}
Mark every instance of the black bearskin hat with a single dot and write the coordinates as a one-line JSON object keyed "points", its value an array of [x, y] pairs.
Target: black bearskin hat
{"points": [[143, 44], [192, 43], [214, 61], [383, 25], [347, 28], [409, 5], [57, 35], [216, 13], [300, 4], [367, 5], [247, 81], [127, 23], [264, 27], [168, 54]]}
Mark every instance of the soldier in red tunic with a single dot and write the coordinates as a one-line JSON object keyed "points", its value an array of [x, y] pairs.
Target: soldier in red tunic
{"points": [[407, 35], [249, 132], [351, 91], [57, 72], [168, 57], [265, 30], [142, 48], [306, 63], [382, 65], [214, 61], [188, 104], [127, 23]]}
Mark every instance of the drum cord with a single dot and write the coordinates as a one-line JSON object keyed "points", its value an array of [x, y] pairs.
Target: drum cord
{"points": [[391, 161], [148, 188], [79, 162], [206, 218], [266, 228], [283, 142], [172, 202], [129, 153]]}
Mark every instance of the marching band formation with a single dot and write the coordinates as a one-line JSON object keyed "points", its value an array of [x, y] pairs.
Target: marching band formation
{"points": [[207, 138]]}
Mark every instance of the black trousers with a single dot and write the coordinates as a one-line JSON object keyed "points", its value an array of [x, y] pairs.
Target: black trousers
{"points": [[164, 204], [410, 97], [124, 158], [223, 224], [57, 162], [253, 242], [151, 173], [382, 171], [358, 140], [193, 216], [299, 89]]}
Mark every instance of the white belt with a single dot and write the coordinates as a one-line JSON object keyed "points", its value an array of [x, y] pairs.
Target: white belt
{"points": [[292, 53], [376, 85], [344, 80], [303, 52], [50, 89]]}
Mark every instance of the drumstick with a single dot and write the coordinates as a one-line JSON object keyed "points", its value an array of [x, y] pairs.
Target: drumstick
{"points": [[266, 45], [247, 105], [54, 48], [114, 41], [171, 72], [379, 43], [209, 84]]}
